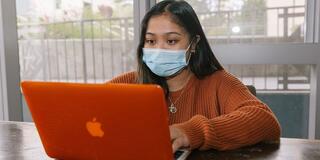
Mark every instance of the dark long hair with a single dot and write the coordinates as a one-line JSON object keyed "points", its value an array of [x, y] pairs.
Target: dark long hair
{"points": [[202, 63]]}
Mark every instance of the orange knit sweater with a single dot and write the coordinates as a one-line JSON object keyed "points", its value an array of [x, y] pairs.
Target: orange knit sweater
{"points": [[218, 112]]}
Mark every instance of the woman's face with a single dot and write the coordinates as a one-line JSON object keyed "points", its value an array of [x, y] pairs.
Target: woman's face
{"points": [[162, 33]]}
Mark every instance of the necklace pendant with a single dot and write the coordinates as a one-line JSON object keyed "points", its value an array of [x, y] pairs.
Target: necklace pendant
{"points": [[172, 109]]}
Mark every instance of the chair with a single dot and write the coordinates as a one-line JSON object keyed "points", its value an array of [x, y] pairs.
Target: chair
{"points": [[252, 89]]}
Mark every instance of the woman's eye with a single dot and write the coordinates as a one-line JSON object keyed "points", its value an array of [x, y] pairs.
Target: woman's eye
{"points": [[150, 42], [172, 42]]}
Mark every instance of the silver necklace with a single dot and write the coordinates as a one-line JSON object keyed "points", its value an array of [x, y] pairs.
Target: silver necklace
{"points": [[172, 107]]}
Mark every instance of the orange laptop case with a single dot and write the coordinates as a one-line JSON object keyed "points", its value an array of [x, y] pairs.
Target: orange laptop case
{"points": [[100, 121]]}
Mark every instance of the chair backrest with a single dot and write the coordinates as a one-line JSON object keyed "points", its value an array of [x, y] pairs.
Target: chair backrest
{"points": [[252, 89]]}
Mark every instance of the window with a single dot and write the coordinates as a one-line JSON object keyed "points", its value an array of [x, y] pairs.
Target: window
{"points": [[75, 40], [286, 90], [273, 78], [251, 21]]}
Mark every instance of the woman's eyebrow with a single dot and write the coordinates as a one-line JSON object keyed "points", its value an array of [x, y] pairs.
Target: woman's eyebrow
{"points": [[167, 33], [149, 33]]}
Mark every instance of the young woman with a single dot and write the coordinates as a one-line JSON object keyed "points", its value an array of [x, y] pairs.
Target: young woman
{"points": [[209, 108]]}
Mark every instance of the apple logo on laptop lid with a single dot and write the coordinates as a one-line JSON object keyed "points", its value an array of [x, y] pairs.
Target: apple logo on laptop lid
{"points": [[94, 128]]}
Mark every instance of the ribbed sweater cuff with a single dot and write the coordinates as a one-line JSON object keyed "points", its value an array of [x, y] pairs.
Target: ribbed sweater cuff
{"points": [[194, 129]]}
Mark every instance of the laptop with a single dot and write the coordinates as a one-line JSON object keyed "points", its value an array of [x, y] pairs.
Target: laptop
{"points": [[101, 121]]}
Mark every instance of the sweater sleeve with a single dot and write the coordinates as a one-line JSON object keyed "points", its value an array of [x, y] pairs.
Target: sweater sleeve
{"points": [[129, 77], [244, 120]]}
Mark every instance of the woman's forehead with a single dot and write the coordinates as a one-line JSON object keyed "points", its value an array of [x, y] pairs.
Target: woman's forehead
{"points": [[164, 25]]}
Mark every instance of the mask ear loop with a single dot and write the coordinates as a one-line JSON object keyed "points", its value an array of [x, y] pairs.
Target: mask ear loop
{"points": [[198, 39], [193, 50]]}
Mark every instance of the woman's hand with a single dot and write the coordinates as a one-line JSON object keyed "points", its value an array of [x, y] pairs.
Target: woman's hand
{"points": [[178, 138]]}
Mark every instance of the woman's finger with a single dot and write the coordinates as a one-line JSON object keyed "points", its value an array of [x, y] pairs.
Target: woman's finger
{"points": [[176, 144]]}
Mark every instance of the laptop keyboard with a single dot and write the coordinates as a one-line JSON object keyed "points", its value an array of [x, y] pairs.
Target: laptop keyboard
{"points": [[177, 154]]}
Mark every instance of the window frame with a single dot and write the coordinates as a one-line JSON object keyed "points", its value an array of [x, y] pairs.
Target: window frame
{"points": [[11, 99]]}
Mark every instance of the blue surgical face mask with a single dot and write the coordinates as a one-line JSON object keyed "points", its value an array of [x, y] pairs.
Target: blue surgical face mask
{"points": [[165, 62]]}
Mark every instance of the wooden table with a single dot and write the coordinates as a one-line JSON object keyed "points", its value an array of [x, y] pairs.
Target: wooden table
{"points": [[20, 140]]}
